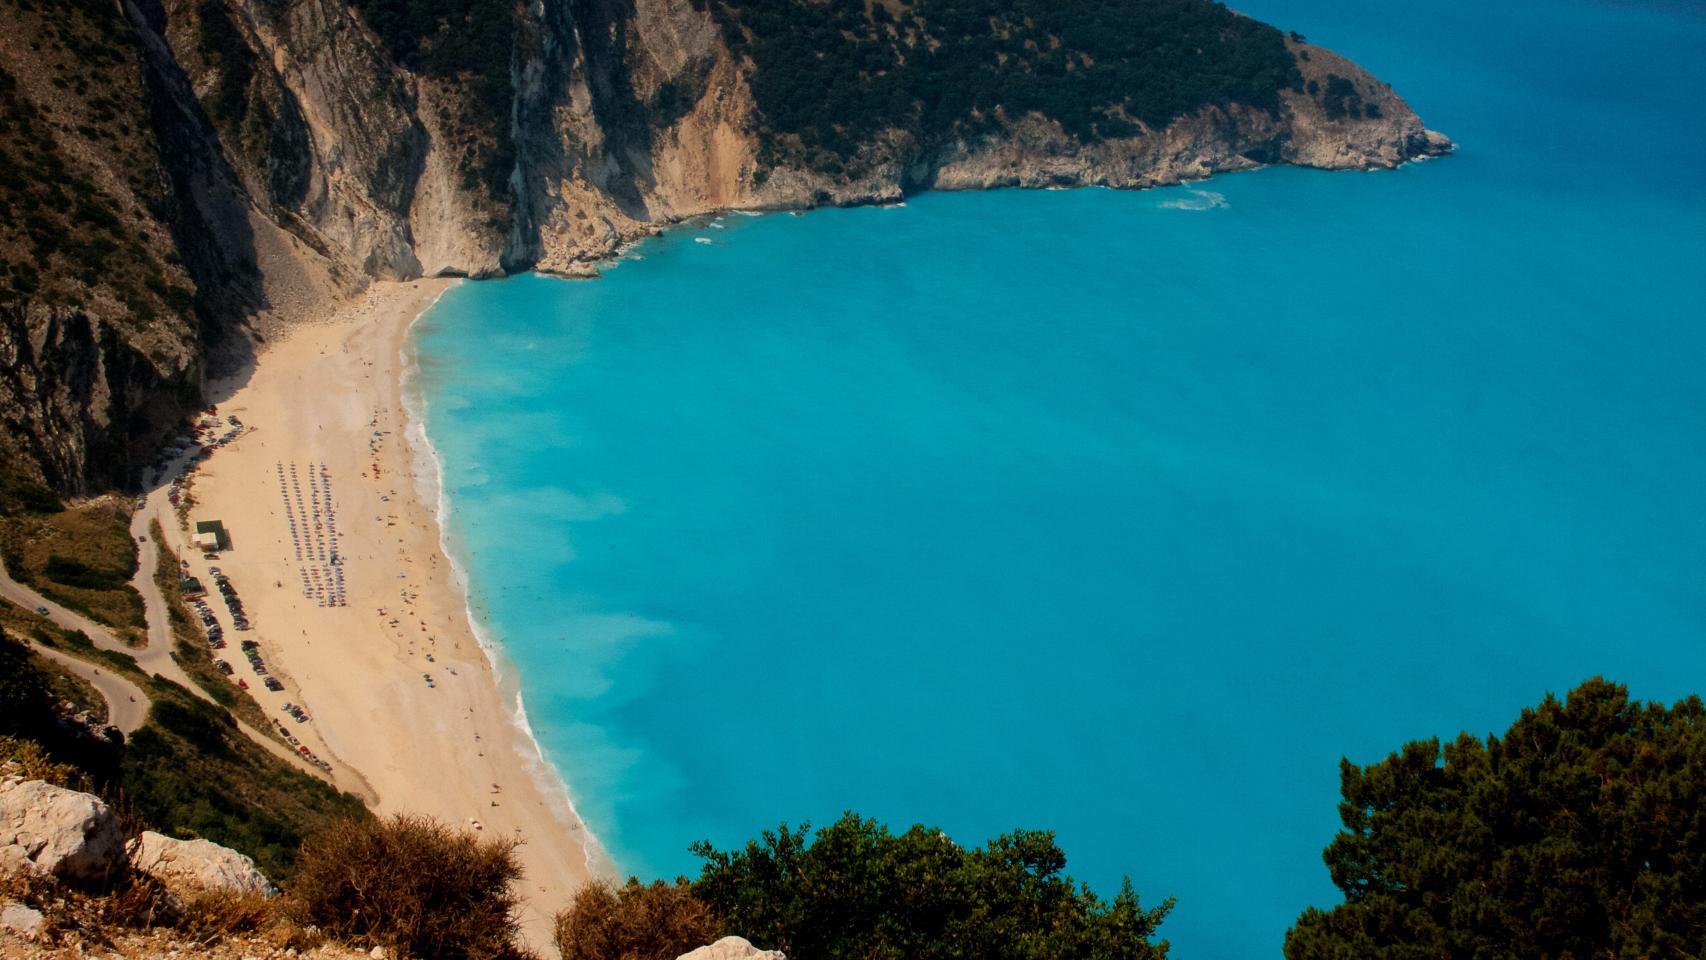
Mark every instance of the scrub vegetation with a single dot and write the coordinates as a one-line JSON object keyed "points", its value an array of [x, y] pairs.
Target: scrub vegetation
{"points": [[467, 44], [413, 885], [1579, 833], [80, 557], [69, 236], [829, 75], [187, 772]]}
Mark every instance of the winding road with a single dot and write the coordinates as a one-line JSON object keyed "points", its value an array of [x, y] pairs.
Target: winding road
{"points": [[127, 704]]}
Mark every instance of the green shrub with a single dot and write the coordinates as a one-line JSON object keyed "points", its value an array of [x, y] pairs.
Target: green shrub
{"points": [[76, 573], [189, 772], [858, 891]]}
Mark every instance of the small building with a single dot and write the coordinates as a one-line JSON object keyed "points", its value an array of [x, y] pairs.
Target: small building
{"points": [[211, 537]]}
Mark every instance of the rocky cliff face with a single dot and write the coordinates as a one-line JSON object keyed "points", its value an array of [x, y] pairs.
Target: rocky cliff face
{"points": [[261, 158]]}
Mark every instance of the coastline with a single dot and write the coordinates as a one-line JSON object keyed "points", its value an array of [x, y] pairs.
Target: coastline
{"points": [[328, 407], [429, 487]]}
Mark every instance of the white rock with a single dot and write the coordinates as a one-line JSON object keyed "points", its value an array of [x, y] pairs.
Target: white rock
{"points": [[201, 863], [20, 919], [733, 948], [50, 830]]}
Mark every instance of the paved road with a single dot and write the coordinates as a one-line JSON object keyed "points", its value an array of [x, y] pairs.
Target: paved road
{"points": [[127, 705], [66, 619], [156, 658]]}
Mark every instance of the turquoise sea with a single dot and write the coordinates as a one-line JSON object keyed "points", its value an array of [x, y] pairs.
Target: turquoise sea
{"points": [[1120, 514]]}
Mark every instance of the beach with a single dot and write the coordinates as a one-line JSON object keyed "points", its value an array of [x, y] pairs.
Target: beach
{"points": [[336, 553]]}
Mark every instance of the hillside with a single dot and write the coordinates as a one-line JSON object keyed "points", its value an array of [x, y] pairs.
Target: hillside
{"points": [[181, 176]]}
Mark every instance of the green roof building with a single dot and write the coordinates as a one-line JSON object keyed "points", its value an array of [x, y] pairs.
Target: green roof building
{"points": [[210, 536]]}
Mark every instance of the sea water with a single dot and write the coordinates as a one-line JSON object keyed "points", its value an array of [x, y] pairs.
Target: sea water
{"points": [[1125, 515]]}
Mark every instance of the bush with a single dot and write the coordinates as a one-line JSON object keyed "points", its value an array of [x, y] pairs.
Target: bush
{"points": [[858, 891], [76, 573], [28, 759], [411, 884], [1579, 833], [215, 916], [638, 922]]}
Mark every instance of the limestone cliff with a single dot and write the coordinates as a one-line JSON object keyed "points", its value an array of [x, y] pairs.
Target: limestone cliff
{"points": [[253, 160]]}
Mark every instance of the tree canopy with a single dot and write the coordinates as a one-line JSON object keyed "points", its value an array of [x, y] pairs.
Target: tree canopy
{"points": [[1579, 833], [830, 73], [856, 890]]}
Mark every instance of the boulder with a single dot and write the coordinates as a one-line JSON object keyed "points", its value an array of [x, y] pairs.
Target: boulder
{"points": [[733, 948], [57, 832], [21, 920], [189, 866]]}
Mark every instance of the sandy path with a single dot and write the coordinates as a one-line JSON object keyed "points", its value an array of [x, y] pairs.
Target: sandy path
{"points": [[324, 411]]}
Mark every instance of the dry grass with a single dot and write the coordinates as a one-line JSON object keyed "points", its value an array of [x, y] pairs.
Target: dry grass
{"points": [[637, 922], [27, 759], [411, 884], [218, 915]]}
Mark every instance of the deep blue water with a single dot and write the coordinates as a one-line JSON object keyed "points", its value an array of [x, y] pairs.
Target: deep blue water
{"points": [[1087, 511]]}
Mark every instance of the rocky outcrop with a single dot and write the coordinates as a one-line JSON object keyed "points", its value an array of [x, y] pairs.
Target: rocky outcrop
{"points": [[48, 830], [21, 920], [732, 948], [190, 866]]}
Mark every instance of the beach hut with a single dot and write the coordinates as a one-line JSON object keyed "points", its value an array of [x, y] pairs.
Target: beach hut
{"points": [[210, 536]]}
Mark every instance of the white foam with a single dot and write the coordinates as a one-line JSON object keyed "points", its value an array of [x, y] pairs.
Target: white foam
{"points": [[1198, 200], [430, 487]]}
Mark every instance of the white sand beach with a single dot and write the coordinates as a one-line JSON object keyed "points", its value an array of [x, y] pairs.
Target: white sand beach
{"points": [[326, 442]]}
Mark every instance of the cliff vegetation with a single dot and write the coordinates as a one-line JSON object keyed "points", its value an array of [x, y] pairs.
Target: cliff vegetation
{"points": [[828, 76]]}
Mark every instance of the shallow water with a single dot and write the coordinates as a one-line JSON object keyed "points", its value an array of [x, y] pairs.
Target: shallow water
{"points": [[1124, 515]]}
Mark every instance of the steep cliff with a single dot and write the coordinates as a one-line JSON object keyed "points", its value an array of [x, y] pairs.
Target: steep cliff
{"points": [[179, 174]]}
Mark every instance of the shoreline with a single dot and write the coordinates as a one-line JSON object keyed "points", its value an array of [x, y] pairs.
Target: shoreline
{"points": [[335, 481], [505, 674]]}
